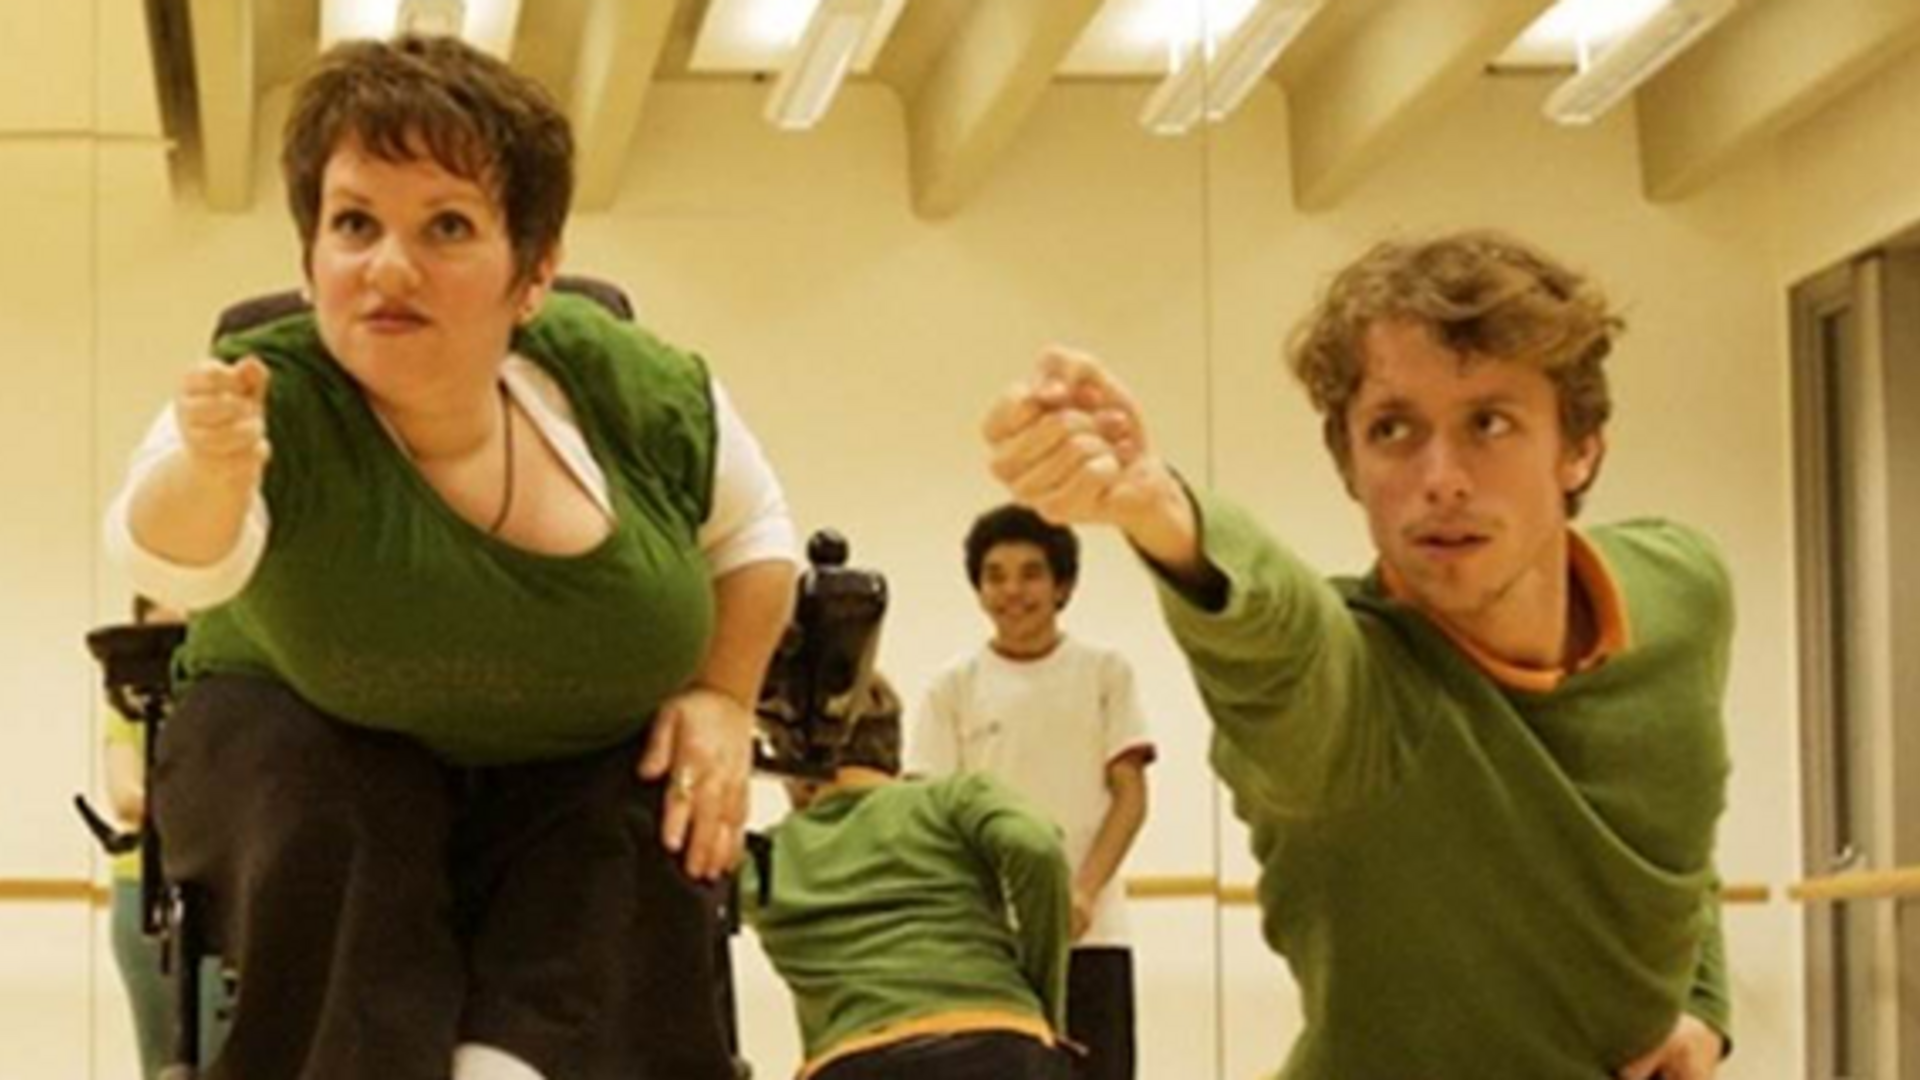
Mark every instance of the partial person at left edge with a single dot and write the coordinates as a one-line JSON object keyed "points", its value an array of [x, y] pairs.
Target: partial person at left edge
{"points": [[482, 585]]}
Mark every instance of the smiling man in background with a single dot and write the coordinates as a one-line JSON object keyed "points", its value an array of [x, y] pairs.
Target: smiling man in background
{"points": [[1059, 721]]}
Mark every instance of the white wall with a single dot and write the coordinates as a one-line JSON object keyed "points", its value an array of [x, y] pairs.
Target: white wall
{"points": [[46, 317], [1846, 175]]}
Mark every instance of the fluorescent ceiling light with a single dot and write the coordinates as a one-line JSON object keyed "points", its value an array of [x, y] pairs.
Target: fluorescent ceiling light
{"points": [[1211, 82], [819, 64], [1135, 38], [782, 24], [1572, 29], [1592, 22], [1632, 58], [485, 24], [443, 18], [755, 37]]}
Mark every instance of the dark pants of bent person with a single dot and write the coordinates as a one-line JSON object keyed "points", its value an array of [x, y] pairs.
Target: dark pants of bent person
{"points": [[1100, 1011], [382, 906], [982, 1055]]}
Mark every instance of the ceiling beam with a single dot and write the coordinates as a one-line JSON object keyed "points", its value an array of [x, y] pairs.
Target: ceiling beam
{"points": [[917, 42], [676, 57], [223, 63], [620, 48], [546, 42], [981, 89], [286, 39], [1393, 71], [1770, 65]]}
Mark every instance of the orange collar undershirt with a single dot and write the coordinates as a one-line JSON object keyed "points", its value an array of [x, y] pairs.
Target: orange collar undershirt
{"points": [[1588, 573]]}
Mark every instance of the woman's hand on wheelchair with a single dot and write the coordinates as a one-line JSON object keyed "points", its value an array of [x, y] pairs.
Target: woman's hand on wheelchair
{"points": [[702, 745]]}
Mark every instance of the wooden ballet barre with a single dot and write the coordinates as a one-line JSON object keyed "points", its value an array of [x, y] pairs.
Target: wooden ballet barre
{"points": [[43, 890], [1199, 886], [1158, 887], [1745, 892], [1901, 884], [1177, 887]]}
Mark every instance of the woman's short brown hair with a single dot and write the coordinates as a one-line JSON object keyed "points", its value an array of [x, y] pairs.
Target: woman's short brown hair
{"points": [[440, 98], [1481, 294]]}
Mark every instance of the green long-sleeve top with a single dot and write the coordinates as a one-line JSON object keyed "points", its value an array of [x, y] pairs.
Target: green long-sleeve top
{"points": [[1466, 879], [891, 907]]}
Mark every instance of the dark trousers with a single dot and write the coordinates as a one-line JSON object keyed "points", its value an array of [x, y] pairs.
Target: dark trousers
{"points": [[1100, 1012], [382, 907], [982, 1055]]}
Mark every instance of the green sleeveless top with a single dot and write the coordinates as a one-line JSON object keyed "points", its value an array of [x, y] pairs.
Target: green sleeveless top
{"points": [[382, 607]]}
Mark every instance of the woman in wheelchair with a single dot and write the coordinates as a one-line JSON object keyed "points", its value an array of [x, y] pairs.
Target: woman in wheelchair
{"points": [[483, 582]]}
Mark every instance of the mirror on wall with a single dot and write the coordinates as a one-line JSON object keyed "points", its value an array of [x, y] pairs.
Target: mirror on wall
{"points": [[864, 288]]}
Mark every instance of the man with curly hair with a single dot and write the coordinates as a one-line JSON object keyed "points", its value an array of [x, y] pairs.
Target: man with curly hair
{"points": [[1482, 779]]}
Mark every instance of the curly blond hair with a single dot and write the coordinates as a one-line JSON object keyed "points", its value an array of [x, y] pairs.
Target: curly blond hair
{"points": [[1481, 294]]}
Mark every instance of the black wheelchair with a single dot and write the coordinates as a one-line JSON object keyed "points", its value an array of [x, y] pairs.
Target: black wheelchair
{"points": [[825, 657], [136, 663]]}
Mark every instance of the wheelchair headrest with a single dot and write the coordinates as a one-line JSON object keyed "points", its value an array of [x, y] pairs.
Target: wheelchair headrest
{"points": [[136, 660]]}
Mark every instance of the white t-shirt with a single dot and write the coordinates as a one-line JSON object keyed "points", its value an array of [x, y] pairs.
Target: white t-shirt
{"points": [[1048, 728]]}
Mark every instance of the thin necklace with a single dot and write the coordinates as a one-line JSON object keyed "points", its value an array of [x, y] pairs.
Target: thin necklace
{"points": [[506, 497]]}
